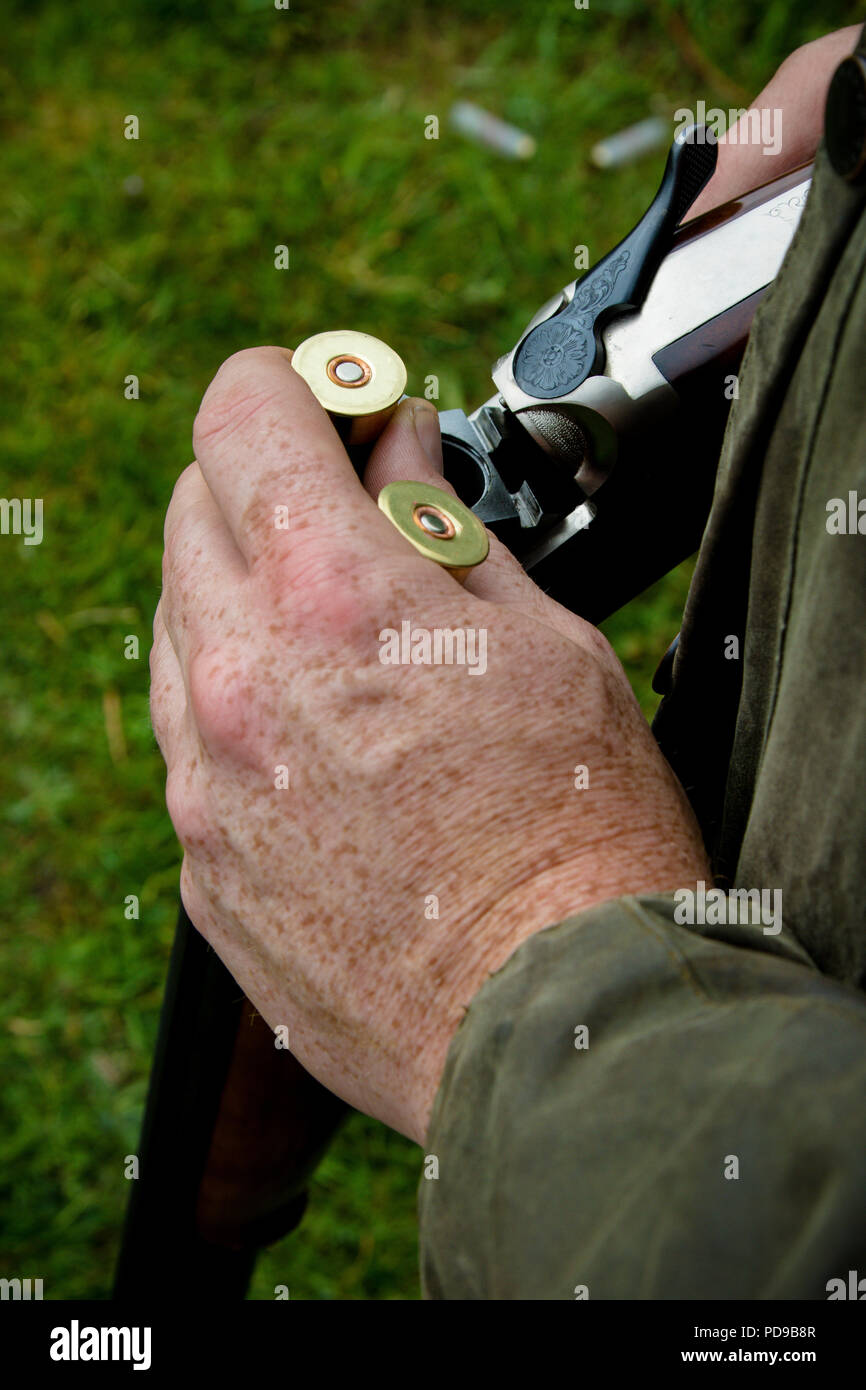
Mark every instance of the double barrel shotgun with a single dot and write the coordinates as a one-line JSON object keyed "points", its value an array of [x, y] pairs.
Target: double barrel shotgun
{"points": [[594, 461]]}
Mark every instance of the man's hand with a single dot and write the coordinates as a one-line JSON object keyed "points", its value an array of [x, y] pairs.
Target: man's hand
{"points": [[409, 786]]}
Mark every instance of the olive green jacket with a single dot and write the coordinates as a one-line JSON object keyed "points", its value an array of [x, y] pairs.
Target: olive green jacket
{"points": [[705, 1136]]}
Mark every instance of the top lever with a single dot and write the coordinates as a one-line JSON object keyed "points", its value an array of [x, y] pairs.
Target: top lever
{"points": [[559, 354]]}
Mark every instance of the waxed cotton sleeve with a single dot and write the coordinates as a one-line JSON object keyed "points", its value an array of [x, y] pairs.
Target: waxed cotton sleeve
{"points": [[704, 1137]]}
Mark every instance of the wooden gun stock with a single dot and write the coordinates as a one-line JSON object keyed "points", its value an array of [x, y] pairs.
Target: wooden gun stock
{"points": [[233, 1128]]}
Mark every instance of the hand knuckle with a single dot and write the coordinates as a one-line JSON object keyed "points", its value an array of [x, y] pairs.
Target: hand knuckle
{"points": [[177, 499], [160, 699], [328, 590], [158, 681], [159, 720], [187, 809], [601, 650], [223, 688], [192, 897]]}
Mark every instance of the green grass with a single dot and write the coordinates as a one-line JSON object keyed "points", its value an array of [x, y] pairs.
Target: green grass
{"points": [[155, 257]]}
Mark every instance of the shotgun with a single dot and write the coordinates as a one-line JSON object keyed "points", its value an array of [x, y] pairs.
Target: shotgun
{"points": [[594, 461]]}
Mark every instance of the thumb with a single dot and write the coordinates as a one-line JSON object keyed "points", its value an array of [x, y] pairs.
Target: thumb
{"points": [[410, 447]]}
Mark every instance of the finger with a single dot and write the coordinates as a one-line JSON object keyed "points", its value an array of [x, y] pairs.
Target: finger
{"points": [[264, 442], [203, 569], [410, 447], [167, 693]]}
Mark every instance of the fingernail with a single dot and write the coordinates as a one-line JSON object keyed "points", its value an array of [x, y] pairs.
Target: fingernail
{"points": [[426, 420]]}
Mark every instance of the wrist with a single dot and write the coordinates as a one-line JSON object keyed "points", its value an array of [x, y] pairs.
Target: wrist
{"points": [[648, 860]]}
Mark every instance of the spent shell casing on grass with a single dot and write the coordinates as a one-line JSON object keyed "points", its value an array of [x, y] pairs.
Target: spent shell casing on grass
{"points": [[629, 144], [486, 129]]}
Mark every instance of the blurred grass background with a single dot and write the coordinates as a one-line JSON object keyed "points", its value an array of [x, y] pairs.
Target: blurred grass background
{"points": [[155, 257]]}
